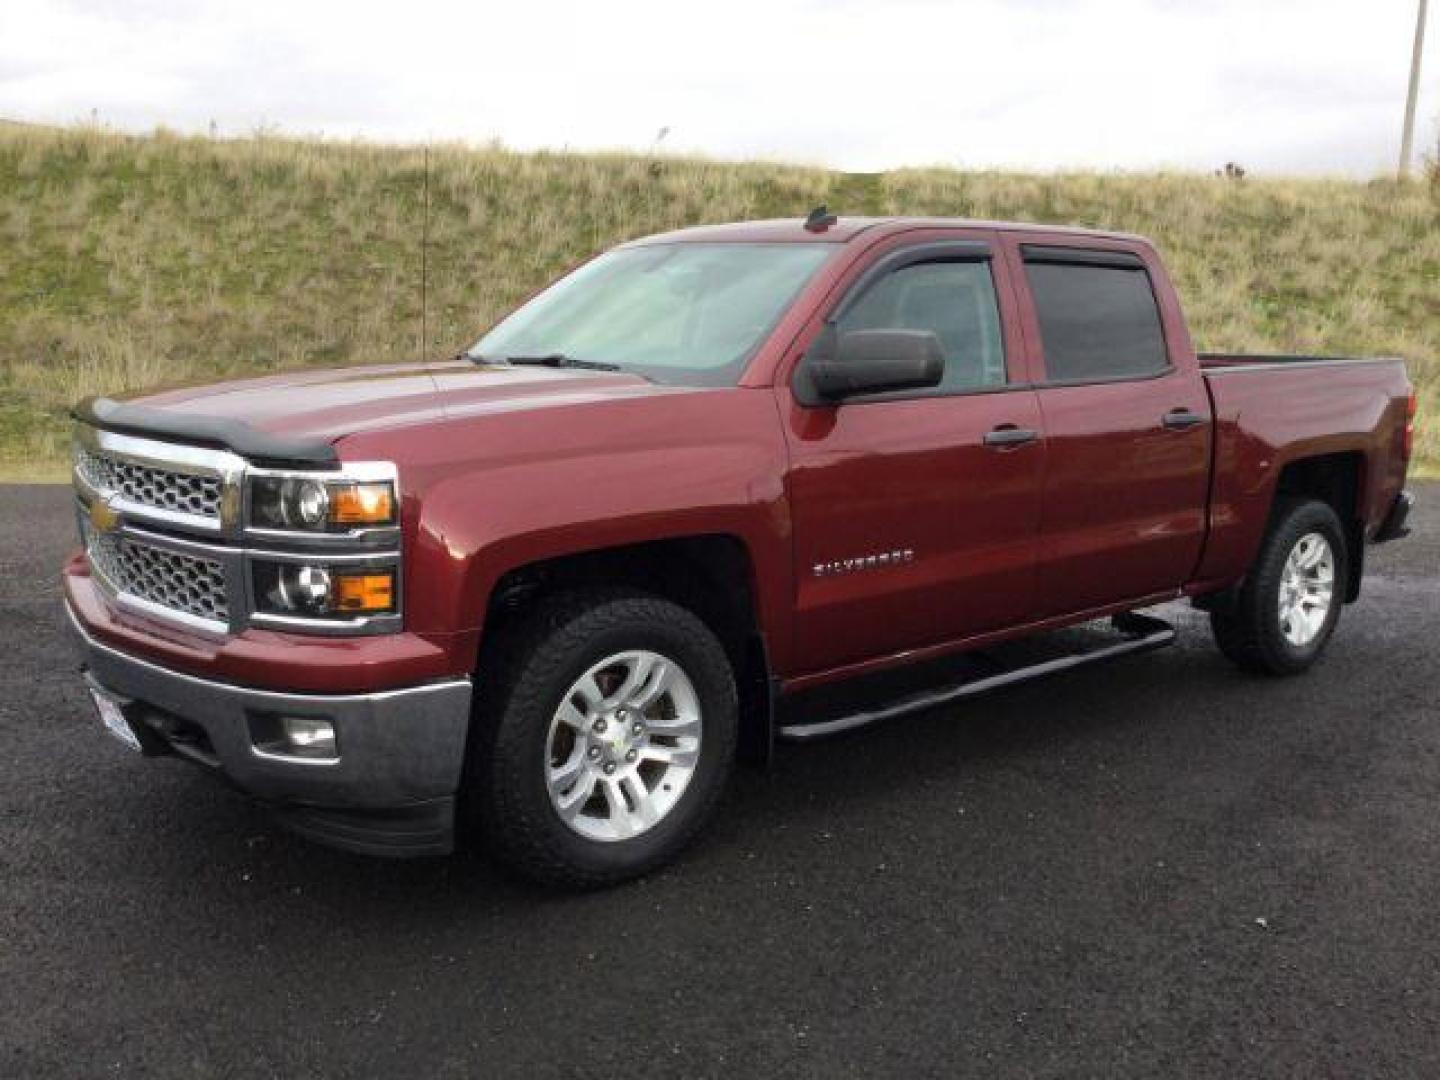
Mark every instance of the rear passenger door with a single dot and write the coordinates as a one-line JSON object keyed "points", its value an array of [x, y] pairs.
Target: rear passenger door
{"points": [[1123, 510]]}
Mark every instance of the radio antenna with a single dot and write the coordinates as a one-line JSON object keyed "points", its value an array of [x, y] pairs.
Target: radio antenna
{"points": [[820, 219], [425, 246], [424, 254]]}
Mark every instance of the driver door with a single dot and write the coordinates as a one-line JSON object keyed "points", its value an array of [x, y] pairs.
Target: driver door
{"points": [[916, 513]]}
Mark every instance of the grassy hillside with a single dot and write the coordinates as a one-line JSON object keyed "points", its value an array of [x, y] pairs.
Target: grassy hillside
{"points": [[133, 261]]}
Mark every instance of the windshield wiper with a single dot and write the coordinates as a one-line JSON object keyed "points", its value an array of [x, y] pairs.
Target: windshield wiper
{"points": [[555, 360]]}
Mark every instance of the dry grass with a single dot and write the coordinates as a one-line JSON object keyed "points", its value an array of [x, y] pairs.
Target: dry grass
{"points": [[130, 261], [1303, 266]]}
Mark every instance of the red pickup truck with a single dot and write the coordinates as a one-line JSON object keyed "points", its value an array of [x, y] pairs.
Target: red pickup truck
{"points": [[548, 592]]}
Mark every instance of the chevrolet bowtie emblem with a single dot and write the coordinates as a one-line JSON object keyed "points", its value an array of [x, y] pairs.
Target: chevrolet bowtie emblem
{"points": [[104, 517]]}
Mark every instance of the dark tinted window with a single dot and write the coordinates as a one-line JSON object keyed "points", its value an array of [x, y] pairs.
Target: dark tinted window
{"points": [[1097, 322], [953, 300]]}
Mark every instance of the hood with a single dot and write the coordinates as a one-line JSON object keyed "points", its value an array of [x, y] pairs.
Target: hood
{"points": [[328, 405]]}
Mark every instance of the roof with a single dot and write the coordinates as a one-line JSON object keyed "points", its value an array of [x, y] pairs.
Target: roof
{"points": [[792, 230]]}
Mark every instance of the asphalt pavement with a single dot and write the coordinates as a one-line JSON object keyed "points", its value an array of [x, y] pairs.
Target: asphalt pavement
{"points": [[1157, 868]]}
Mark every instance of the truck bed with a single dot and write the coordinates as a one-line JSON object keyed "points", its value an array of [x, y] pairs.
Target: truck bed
{"points": [[1273, 410]]}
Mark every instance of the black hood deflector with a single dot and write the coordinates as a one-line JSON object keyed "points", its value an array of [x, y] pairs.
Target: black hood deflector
{"points": [[260, 447]]}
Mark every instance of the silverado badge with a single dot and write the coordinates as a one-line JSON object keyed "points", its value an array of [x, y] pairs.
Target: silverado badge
{"points": [[863, 562]]}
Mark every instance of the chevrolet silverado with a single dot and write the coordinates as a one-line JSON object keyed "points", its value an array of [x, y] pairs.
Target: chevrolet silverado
{"points": [[548, 593]]}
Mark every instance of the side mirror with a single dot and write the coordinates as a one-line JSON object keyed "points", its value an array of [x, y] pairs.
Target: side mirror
{"points": [[839, 365]]}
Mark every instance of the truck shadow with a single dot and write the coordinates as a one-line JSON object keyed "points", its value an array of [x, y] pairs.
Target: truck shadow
{"points": [[989, 754]]}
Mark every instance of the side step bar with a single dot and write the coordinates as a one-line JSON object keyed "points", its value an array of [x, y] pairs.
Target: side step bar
{"points": [[1142, 634]]}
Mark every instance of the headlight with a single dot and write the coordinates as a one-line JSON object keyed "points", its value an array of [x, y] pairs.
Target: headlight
{"points": [[320, 591], [311, 504], [326, 548]]}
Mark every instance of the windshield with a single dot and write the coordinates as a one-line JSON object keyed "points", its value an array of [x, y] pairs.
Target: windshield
{"points": [[691, 314]]}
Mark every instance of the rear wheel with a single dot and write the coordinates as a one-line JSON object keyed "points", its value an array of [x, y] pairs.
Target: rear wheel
{"points": [[605, 738], [1290, 602]]}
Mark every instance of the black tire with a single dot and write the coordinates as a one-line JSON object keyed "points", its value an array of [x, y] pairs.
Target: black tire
{"points": [[1250, 632], [523, 681]]}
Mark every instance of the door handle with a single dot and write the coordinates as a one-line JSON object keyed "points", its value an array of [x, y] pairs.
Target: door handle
{"points": [[1182, 419], [1008, 436]]}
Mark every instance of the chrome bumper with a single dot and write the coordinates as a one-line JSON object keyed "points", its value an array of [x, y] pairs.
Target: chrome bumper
{"points": [[390, 790]]}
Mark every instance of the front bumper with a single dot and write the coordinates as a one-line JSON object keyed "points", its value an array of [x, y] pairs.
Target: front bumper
{"points": [[390, 790]]}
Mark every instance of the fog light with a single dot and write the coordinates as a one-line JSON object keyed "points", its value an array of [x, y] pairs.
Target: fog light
{"points": [[307, 736]]}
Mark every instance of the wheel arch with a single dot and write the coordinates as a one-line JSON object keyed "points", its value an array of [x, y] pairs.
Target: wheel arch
{"points": [[1336, 479], [712, 575]]}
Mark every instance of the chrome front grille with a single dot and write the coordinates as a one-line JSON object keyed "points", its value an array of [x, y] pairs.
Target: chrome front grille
{"points": [[169, 579], [165, 530], [150, 486]]}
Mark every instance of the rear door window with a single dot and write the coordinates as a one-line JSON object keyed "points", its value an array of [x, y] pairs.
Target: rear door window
{"points": [[1097, 322]]}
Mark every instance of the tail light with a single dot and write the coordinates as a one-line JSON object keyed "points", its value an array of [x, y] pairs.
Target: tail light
{"points": [[1411, 409]]}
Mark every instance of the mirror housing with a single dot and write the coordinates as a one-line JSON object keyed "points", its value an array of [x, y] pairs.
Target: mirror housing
{"points": [[840, 366]]}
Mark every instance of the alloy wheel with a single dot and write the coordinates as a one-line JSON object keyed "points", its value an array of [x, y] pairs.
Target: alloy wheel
{"points": [[623, 745], [1307, 589]]}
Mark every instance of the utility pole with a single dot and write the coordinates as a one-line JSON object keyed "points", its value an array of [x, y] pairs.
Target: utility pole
{"points": [[1407, 139]]}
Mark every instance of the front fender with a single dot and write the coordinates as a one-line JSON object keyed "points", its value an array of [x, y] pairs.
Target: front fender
{"points": [[490, 495]]}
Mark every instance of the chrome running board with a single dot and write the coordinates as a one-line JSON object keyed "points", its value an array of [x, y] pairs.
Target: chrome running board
{"points": [[1142, 634]]}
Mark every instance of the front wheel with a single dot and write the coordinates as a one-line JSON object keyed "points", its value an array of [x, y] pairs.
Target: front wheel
{"points": [[1290, 602], [605, 738]]}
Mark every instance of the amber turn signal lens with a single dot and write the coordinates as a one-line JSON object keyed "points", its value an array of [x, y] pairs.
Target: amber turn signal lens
{"points": [[365, 593], [362, 504]]}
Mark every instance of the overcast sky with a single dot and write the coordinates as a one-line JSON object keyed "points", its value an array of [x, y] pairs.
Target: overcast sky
{"points": [[1314, 86]]}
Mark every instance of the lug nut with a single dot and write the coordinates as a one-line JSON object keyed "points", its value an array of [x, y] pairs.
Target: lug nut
{"points": [[630, 756], [609, 767], [638, 729], [599, 727], [594, 753]]}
